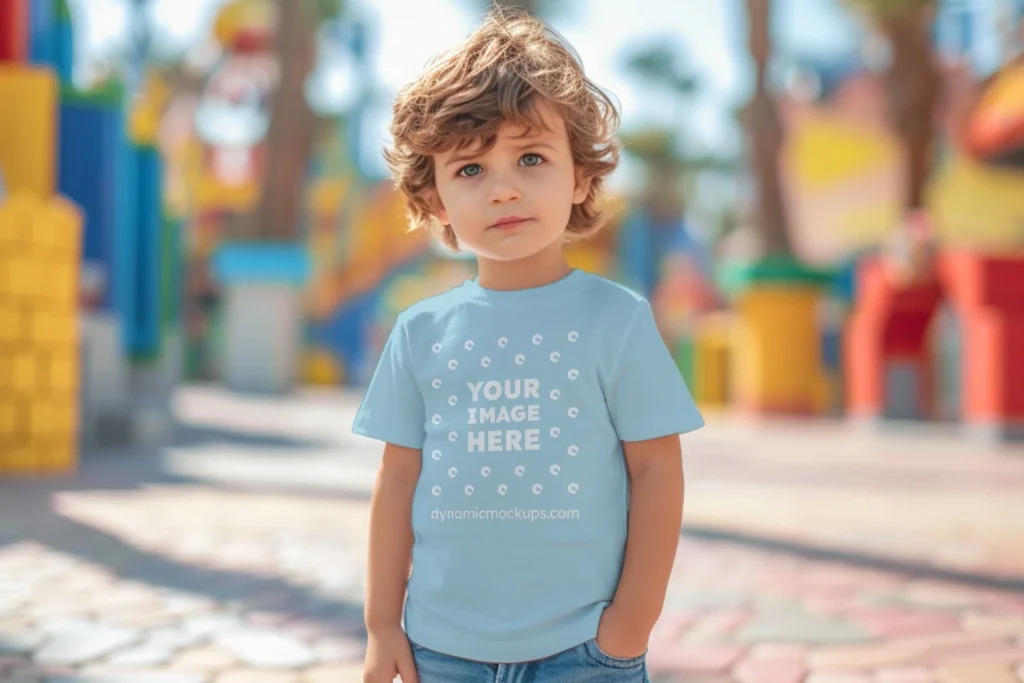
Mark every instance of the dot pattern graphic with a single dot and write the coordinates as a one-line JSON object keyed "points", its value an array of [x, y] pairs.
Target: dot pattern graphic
{"points": [[460, 396]]}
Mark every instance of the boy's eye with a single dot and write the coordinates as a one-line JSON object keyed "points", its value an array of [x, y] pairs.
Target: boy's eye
{"points": [[470, 170], [532, 160]]}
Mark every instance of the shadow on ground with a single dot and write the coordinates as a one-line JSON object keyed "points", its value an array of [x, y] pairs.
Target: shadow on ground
{"points": [[29, 514], [194, 435]]}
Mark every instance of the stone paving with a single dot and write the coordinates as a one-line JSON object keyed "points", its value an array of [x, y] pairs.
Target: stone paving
{"points": [[185, 585], [737, 615], [935, 498], [214, 586], [925, 496], [234, 558]]}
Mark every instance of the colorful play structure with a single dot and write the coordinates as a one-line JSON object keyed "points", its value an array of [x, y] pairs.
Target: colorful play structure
{"points": [[351, 249], [978, 277], [830, 332], [361, 263], [119, 250], [88, 269], [841, 331]]}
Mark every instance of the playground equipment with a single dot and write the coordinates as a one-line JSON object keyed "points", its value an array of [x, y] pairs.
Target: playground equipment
{"points": [[39, 244], [995, 133], [370, 252], [893, 360], [891, 348], [88, 285], [777, 350], [111, 167], [262, 282], [233, 114], [248, 282], [353, 244], [40, 234], [705, 361]]}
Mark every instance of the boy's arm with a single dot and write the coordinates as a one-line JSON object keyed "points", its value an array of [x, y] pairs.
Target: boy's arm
{"points": [[390, 554], [655, 517]]}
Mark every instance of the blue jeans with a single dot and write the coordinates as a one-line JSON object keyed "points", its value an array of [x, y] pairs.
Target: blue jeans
{"points": [[585, 663]]}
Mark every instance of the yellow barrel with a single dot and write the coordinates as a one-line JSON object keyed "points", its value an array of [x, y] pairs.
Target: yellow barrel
{"points": [[777, 355]]}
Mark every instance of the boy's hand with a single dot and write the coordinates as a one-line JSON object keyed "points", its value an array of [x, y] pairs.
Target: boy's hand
{"points": [[619, 635], [388, 654]]}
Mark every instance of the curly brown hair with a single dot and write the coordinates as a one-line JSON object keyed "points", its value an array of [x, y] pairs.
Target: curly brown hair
{"points": [[494, 78]]}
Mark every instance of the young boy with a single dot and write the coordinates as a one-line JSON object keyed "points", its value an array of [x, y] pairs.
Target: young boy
{"points": [[532, 474]]}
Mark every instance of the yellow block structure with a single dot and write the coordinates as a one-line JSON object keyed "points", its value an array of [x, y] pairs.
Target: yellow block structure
{"points": [[711, 361], [776, 350], [39, 256], [29, 102]]}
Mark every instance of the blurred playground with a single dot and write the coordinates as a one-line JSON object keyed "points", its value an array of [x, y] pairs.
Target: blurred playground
{"points": [[201, 257], [132, 221], [142, 237]]}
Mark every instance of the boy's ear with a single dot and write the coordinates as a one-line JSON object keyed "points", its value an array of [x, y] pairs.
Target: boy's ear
{"points": [[582, 188], [436, 207]]}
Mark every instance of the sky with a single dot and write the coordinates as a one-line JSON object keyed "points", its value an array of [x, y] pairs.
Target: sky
{"points": [[711, 30], [408, 32]]}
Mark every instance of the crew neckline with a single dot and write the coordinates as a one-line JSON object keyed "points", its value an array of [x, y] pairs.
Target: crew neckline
{"points": [[531, 295]]}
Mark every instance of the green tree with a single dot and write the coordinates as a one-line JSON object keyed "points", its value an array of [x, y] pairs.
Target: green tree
{"points": [[662, 65], [671, 167]]}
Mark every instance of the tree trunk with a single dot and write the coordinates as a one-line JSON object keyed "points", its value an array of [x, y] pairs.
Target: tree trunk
{"points": [[765, 137], [290, 138], [914, 85]]}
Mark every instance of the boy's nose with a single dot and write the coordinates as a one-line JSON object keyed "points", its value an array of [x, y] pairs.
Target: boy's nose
{"points": [[503, 192]]}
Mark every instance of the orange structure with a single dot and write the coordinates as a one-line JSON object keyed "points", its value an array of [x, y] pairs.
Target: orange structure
{"points": [[891, 325], [995, 132], [889, 328], [988, 290]]}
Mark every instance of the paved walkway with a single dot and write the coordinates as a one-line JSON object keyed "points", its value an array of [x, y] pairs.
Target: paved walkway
{"points": [[920, 496], [238, 557]]}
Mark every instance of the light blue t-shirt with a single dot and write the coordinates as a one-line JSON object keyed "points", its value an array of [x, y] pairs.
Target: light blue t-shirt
{"points": [[518, 401]]}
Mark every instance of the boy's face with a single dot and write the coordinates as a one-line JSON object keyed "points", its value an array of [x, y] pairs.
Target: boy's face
{"points": [[514, 200]]}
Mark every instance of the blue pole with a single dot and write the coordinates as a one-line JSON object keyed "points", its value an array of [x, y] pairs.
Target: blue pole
{"points": [[126, 266], [144, 329], [42, 33], [87, 174]]}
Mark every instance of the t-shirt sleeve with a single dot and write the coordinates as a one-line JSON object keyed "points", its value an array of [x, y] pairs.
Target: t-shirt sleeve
{"points": [[392, 407], [647, 396]]}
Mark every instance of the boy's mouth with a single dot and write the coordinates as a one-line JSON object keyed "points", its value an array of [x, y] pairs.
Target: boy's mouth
{"points": [[508, 222]]}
